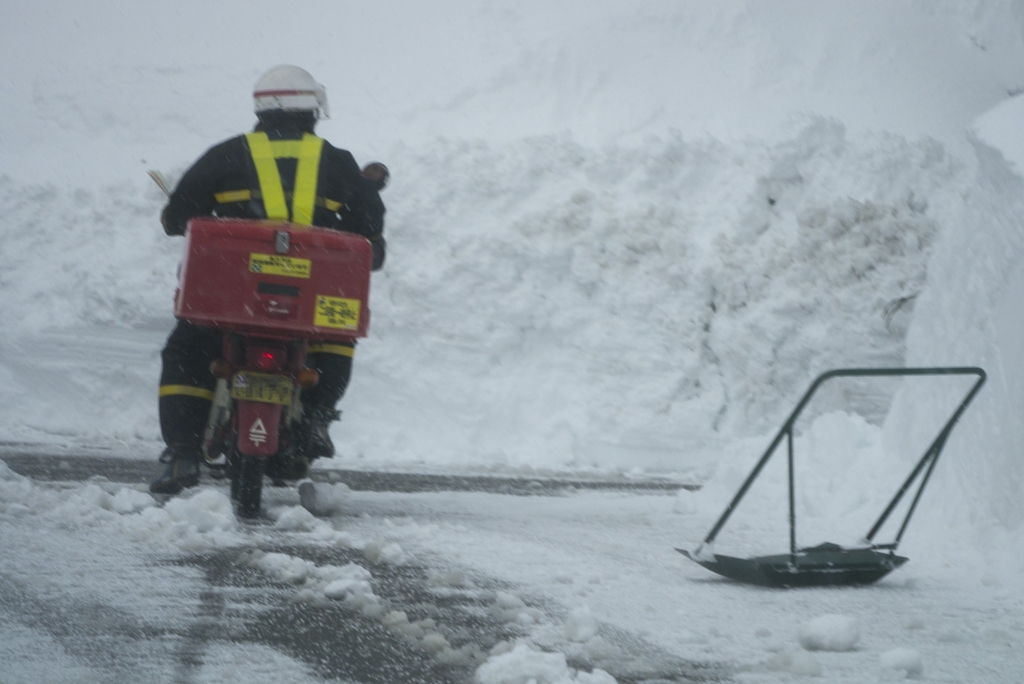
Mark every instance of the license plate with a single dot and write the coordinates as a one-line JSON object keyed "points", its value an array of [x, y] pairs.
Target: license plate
{"points": [[263, 387]]}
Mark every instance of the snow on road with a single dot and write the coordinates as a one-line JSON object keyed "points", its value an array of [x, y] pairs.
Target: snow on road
{"points": [[586, 575], [612, 556], [98, 610]]}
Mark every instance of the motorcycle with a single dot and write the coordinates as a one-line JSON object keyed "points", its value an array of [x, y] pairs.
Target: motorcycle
{"points": [[273, 289]]}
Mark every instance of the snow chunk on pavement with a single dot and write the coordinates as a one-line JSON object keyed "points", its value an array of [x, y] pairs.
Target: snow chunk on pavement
{"points": [[285, 568], [295, 518], [422, 633], [382, 551], [906, 659], [523, 664], [200, 521], [206, 511], [830, 633], [87, 502], [321, 499], [299, 519], [581, 625], [128, 500], [511, 609], [348, 582]]}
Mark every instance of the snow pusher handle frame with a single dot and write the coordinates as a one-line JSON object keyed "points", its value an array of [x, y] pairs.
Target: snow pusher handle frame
{"points": [[926, 463]]}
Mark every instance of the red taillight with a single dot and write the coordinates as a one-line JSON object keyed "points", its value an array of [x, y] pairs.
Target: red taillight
{"points": [[267, 358]]}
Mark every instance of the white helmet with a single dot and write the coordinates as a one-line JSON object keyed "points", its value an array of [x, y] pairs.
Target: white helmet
{"points": [[290, 89]]}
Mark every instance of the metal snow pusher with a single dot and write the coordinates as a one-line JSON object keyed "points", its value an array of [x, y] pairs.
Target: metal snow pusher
{"points": [[830, 564]]}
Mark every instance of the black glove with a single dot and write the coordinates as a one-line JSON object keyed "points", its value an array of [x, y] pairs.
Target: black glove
{"points": [[376, 175]]}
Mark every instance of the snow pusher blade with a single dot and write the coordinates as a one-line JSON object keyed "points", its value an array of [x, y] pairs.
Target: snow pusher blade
{"points": [[830, 564], [823, 565]]}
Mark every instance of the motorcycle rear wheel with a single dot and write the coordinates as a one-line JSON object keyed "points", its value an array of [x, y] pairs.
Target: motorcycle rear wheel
{"points": [[247, 484]]}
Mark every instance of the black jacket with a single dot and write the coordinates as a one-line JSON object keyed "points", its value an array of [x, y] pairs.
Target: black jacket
{"points": [[223, 182]]}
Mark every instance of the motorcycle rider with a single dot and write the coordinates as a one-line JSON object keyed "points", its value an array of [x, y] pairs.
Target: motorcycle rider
{"points": [[280, 171]]}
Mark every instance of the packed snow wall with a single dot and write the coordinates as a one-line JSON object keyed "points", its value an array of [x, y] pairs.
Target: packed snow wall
{"points": [[971, 312], [555, 305], [626, 305]]}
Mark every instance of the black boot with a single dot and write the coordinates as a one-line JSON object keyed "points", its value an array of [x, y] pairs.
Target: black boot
{"points": [[316, 442], [290, 463], [182, 470]]}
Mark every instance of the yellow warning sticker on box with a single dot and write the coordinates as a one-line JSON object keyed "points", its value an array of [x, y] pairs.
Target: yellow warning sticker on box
{"points": [[275, 264], [337, 312]]}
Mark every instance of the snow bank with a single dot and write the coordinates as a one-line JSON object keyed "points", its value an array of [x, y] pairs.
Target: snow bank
{"points": [[630, 304], [845, 476], [200, 519], [970, 314], [74, 256]]}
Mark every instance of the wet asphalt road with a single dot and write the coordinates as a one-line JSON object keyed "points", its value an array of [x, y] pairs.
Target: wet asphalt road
{"points": [[242, 605], [77, 468]]}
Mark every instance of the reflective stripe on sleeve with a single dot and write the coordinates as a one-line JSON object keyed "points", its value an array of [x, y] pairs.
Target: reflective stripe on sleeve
{"points": [[348, 350], [186, 391], [233, 196], [229, 196]]}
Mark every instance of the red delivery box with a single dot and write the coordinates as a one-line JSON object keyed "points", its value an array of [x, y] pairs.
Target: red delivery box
{"points": [[275, 279]]}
